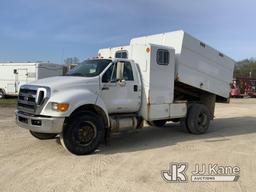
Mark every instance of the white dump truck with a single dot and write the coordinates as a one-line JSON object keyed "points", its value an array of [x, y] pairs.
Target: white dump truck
{"points": [[13, 75], [159, 78]]}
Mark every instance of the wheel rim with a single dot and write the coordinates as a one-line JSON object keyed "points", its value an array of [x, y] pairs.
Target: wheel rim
{"points": [[1, 95], [85, 133], [202, 120]]}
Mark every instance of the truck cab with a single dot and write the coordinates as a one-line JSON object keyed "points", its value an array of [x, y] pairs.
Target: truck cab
{"points": [[95, 90]]}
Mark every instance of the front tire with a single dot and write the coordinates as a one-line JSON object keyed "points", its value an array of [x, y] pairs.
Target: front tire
{"points": [[43, 136], [83, 134]]}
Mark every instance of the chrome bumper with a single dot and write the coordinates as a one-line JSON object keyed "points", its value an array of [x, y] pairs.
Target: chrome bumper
{"points": [[40, 124]]}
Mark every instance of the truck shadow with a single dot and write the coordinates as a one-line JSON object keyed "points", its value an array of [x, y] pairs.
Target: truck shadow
{"points": [[171, 134]]}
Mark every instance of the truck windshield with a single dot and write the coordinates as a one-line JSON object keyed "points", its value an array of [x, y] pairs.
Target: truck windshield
{"points": [[89, 68]]}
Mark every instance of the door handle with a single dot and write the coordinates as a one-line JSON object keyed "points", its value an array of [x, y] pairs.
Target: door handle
{"points": [[105, 88], [135, 88]]}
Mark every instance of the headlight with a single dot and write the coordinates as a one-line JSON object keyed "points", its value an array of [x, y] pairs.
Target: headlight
{"points": [[61, 107]]}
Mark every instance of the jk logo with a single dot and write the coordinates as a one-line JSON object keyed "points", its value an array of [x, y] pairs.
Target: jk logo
{"points": [[176, 173]]}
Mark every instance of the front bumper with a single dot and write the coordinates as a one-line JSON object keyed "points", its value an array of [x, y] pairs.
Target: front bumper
{"points": [[39, 124]]}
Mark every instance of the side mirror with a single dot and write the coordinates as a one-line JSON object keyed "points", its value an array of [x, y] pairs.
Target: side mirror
{"points": [[120, 71], [15, 71]]}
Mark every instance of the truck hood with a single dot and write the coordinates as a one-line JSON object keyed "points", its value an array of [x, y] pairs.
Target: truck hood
{"points": [[65, 82]]}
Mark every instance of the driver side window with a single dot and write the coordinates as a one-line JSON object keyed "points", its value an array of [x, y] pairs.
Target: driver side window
{"points": [[110, 74]]}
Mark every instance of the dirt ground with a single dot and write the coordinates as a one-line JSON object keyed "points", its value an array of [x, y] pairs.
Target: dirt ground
{"points": [[133, 161]]}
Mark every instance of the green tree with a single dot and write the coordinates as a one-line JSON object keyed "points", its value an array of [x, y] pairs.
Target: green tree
{"points": [[245, 69]]}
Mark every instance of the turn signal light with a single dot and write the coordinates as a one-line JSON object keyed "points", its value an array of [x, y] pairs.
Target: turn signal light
{"points": [[61, 107]]}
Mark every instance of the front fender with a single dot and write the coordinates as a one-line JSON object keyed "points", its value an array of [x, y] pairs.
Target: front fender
{"points": [[75, 98], [101, 104]]}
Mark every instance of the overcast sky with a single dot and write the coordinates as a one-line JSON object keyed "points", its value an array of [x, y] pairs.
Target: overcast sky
{"points": [[55, 29]]}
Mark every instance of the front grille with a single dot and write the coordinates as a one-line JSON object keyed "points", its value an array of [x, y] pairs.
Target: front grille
{"points": [[30, 98], [20, 97], [26, 105], [27, 100], [41, 95], [28, 91]]}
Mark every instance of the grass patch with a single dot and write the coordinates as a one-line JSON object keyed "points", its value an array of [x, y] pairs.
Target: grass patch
{"points": [[8, 102]]}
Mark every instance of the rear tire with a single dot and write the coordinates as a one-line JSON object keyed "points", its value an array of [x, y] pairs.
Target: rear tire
{"points": [[43, 136], [157, 123], [83, 134], [198, 119]]}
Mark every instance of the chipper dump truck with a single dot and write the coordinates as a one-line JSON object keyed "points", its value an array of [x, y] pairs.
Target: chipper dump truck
{"points": [[159, 78]]}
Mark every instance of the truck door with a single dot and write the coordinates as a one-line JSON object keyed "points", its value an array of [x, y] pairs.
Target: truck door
{"points": [[121, 97]]}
